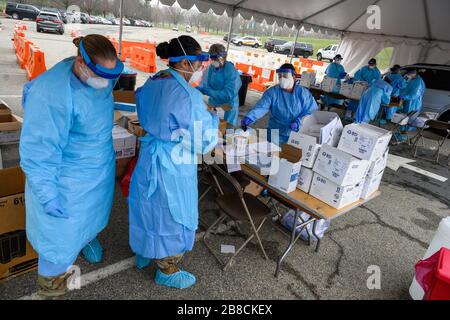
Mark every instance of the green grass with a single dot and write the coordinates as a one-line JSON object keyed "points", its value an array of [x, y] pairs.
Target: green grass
{"points": [[384, 58]]}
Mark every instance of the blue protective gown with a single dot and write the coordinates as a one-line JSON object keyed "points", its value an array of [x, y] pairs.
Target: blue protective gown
{"points": [[163, 197], [285, 108], [364, 74], [413, 94], [66, 151], [222, 86], [398, 83], [369, 105], [335, 70]]}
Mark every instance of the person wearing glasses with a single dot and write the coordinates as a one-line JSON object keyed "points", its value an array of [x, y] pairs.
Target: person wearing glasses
{"points": [[67, 154], [221, 83], [163, 201]]}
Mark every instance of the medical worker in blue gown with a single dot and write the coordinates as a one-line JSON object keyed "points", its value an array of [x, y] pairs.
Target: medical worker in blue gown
{"points": [[221, 83], [337, 71], [369, 74], [287, 102], [371, 100], [163, 201], [398, 83], [67, 154]]}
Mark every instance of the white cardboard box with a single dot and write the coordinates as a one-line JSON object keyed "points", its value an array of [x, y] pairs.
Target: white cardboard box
{"points": [[358, 89], [333, 194], [124, 142], [371, 184], [346, 89], [308, 79], [305, 179], [285, 168], [364, 141], [377, 166], [340, 167], [328, 84], [326, 126], [308, 144]]}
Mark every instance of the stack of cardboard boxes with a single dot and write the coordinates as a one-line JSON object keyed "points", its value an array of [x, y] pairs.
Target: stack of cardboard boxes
{"points": [[10, 127], [342, 173]]}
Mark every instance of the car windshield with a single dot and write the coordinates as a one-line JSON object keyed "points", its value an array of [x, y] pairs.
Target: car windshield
{"points": [[48, 16], [435, 79]]}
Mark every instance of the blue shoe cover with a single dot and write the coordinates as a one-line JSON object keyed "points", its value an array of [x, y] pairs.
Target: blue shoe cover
{"points": [[142, 262], [93, 252], [179, 280]]}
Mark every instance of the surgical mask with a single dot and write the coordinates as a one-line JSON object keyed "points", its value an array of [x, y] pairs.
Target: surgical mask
{"points": [[196, 74], [286, 83], [371, 67], [216, 64], [94, 82], [338, 61]]}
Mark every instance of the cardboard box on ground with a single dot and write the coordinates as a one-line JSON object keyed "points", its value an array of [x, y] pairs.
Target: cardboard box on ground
{"points": [[10, 127], [16, 254]]}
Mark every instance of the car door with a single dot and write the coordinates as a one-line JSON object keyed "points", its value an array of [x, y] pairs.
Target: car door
{"points": [[333, 52], [437, 93]]}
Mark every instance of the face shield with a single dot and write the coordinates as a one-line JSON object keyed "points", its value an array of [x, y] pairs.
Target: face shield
{"points": [[285, 78], [217, 60]]}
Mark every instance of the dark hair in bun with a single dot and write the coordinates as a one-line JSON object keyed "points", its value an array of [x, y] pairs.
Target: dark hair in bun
{"points": [[173, 48]]}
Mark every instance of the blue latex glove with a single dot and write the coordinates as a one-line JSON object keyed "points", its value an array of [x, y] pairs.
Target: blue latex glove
{"points": [[294, 126], [53, 208], [342, 74], [179, 280], [245, 123]]}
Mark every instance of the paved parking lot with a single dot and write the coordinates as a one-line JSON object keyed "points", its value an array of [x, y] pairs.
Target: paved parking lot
{"points": [[391, 232]]}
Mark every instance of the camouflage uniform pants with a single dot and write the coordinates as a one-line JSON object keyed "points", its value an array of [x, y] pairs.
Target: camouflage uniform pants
{"points": [[168, 265], [53, 287]]}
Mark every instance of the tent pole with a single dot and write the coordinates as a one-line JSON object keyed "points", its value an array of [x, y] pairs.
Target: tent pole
{"points": [[120, 29], [230, 29], [295, 43]]}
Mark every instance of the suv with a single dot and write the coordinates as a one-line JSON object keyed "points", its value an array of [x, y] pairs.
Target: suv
{"points": [[62, 14], [246, 41], [301, 49], [21, 11], [328, 53], [49, 21], [233, 35], [271, 43], [437, 94], [85, 18]]}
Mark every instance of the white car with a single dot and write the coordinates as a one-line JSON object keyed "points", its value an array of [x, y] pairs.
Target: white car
{"points": [[175, 28], [188, 29], [246, 41], [105, 21], [437, 94], [328, 53]]}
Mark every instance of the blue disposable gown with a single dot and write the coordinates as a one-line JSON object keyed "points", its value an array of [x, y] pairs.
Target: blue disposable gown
{"points": [[398, 83], [413, 94], [285, 108], [222, 86], [163, 197], [335, 70], [364, 74], [369, 105], [66, 151]]}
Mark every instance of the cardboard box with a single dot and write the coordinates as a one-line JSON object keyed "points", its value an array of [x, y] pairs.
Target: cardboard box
{"points": [[135, 128], [305, 179], [4, 110], [309, 146], [10, 126], [326, 126], [285, 168], [364, 141], [358, 89], [333, 194], [126, 96], [124, 143], [328, 84], [16, 254], [371, 184], [346, 89], [377, 166], [9, 155], [340, 167], [308, 79]]}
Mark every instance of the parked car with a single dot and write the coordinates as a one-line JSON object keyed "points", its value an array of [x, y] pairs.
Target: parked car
{"points": [[73, 17], [84, 17], [271, 43], [126, 22], [233, 35], [175, 28], [301, 49], [146, 23], [49, 21], [437, 94], [21, 11], [188, 28], [62, 14], [105, 21], [246, 41], [328, 53]]}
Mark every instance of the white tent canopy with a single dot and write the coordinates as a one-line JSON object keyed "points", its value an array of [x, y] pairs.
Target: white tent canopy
{"points": [[418, 30]]}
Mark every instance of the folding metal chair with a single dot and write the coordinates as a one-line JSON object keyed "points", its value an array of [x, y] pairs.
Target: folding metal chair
{"points": [[238, 206], [423, 134]]}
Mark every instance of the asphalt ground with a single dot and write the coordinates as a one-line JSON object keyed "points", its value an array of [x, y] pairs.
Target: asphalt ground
{"points": [[392, 231]]}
